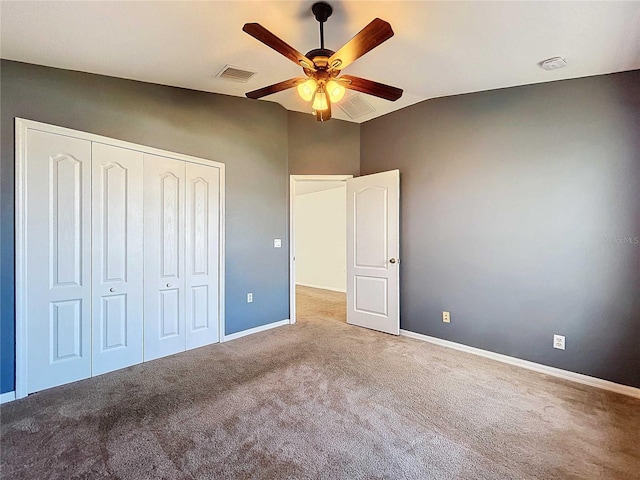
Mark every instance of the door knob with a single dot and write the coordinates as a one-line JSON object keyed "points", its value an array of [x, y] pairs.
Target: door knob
{"points": [[112, 289], [392, 260], [168, 284]]}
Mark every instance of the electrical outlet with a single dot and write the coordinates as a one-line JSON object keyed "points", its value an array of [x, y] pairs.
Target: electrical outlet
{"points": [[249, 297], [277, 243], [446, 317], [558, 342]]}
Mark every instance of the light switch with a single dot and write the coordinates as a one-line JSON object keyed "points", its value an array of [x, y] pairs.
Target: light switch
{"points": [[277, 243]]}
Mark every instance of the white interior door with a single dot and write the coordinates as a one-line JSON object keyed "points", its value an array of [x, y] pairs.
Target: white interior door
{"points": [[373, 293], [164, 262], [58, 264], [117, 258], [202, 254]]}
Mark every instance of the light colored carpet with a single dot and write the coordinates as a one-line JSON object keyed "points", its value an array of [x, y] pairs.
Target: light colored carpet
{"points": [[322, 400]]}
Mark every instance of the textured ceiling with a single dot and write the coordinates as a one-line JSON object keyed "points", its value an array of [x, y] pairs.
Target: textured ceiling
{"points": [[439, 48]]}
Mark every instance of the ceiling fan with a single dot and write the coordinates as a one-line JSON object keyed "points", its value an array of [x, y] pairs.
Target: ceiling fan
{"points": [[322, 66]]}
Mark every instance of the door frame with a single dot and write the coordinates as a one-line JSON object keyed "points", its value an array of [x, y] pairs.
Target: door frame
{"points": [[21, 127], [293, 181]]}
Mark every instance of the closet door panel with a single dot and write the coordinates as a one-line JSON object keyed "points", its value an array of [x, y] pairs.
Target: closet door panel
{"points": [[164, 262], [58, 262], [117, 232], [202, 254]]}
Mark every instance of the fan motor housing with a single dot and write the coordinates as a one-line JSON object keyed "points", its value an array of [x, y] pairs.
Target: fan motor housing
{"points": [[320, 57], [319, 52]]}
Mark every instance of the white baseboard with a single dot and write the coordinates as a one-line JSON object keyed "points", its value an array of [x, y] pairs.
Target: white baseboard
{"points": [[7, 397], [322, 287], [251, 331], [536, 367]]}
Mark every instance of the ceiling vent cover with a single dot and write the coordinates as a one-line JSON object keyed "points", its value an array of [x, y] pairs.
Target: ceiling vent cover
{"points": [[235, 74], [356, 106]]}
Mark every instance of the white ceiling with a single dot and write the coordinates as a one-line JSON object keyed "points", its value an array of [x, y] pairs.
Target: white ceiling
{"points": [[439, 48]]}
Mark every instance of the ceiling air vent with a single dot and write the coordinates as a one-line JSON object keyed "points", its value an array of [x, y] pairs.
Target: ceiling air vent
{"points": [[235, 74], [355, 106]]}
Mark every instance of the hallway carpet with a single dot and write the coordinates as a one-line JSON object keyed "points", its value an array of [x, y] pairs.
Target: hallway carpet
{"points": [[322, 400]]}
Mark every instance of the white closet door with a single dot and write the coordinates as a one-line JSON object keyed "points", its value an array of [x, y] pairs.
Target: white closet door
{"points": [[164, 234], [202, 254], [117, 258], [58, 262]]}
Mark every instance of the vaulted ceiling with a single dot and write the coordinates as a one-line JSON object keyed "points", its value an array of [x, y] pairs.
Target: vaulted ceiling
{"points": [[439, 48]]}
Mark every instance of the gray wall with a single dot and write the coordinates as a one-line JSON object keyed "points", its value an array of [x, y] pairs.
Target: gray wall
{"points": [[249, 137], [514, 208], [323, 148]]}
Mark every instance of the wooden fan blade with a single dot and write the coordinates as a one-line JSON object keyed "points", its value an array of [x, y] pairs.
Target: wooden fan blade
{"points": [[275, 88], [377, 32], [372, 88], [263, 35]]}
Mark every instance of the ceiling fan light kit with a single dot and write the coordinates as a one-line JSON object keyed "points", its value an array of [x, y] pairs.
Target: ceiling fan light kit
{"points": [[322, 67]]}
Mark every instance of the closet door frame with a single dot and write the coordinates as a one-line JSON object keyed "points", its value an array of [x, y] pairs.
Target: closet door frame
{"points": [[21, 128]]}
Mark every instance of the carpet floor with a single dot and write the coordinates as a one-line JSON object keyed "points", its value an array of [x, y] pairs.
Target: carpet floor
{"points": [[321, 400]]}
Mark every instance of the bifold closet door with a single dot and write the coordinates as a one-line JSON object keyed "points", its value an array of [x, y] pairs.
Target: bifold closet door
{"points": [[58, 259], [164, 256], [117, 266], [202, 254]]}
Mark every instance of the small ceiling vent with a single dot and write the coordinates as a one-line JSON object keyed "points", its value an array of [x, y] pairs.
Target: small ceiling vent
{"points": [[235, 74], [355, 106]]}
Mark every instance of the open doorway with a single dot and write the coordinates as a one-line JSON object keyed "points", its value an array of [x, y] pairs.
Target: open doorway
{"points": [[372, 240], [318, 245]]}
